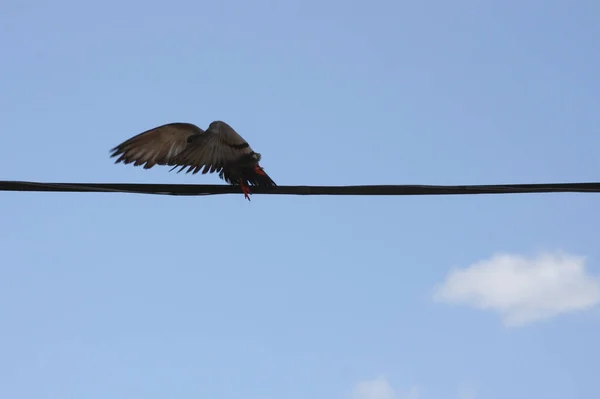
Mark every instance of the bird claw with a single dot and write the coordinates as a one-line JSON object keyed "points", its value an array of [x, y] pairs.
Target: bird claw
{"points": [[259, 170], [246, 191]]}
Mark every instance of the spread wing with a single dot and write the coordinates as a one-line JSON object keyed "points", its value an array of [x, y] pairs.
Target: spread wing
{"points": [[157, 146], [212, 150]]}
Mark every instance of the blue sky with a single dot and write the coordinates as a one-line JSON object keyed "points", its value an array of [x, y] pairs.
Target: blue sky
{"points": [[129, 296]]}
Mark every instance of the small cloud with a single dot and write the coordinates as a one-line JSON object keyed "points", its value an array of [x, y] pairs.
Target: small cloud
{"points": [[379, 388], [467, 392], [523, 289], [412, 394]]}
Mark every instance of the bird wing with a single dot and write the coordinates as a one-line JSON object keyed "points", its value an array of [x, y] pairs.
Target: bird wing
{"points": [[212, 150], [157, 146]]}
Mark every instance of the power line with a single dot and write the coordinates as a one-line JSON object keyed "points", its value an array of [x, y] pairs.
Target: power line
{"points": [[210, 189]]}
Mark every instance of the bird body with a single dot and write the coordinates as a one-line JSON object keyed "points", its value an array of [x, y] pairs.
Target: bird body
{"points": [[184, 145]]}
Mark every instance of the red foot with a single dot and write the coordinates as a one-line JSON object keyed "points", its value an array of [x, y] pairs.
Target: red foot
{"points": [[259, 170], [246, 190]]}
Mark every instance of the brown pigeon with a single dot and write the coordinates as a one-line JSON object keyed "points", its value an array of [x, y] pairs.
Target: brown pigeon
{"points": [[218, 149]]}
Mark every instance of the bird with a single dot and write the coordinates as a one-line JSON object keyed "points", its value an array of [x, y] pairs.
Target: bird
{"points": [[218, 149]]}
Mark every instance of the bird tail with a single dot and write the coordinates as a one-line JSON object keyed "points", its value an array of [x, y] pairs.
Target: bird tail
{"points": [[263, 181]]}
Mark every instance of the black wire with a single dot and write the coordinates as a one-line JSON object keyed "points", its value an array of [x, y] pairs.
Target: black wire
{"points": [[208, 189]]}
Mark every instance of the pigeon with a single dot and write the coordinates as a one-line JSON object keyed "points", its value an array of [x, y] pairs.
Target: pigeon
{"points": [[184, 145]]}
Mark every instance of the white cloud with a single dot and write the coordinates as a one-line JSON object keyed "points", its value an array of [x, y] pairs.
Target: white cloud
{"points": [[523, 289], [379, 388], [467, 391]]}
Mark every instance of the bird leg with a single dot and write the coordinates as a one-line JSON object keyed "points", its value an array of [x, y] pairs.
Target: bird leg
{"points": [[245, 189], [259, 170]]}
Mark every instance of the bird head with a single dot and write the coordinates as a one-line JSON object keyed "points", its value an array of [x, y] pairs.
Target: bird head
{"points": [[214, 126]]}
